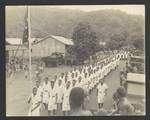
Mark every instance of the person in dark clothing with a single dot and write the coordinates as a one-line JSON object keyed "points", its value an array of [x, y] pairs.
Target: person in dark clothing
{"points": [[77, 101]]}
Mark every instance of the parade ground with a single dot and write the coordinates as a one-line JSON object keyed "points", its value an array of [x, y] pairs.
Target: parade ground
{"points": [[16, 99]]}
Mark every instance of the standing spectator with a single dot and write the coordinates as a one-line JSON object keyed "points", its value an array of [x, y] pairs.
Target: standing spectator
{"points": [[77, 100], [124, 105]]}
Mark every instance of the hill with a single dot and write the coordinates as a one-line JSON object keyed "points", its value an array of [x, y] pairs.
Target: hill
{"points": [[45, 21]]}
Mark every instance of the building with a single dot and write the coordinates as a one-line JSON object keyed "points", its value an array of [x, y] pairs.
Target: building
{"points": [[14, 48], [49, 45], [40, 47]]}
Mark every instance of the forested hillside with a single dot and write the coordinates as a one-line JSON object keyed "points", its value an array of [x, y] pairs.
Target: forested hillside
{"points": [[107, 24]]}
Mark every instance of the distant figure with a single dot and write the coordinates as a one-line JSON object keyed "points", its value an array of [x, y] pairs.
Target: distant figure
{"points": [[77, 101], [26, 71]]}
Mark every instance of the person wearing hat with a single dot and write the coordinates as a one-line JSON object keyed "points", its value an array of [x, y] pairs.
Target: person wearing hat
{"points": [[124, 105], [78, 101], [52, 99], [66, 93]]}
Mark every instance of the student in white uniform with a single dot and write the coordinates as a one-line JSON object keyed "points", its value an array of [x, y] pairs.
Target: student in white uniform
{"points": [[35, 101], [66, 93], [39, 89], [73, 83], [85, 81], [101, 93], [46, 86], [72, 76], [79, 82], [59, 94], [76, 75], [52, 99], [62, 76]]}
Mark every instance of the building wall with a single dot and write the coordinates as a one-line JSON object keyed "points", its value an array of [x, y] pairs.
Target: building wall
{"points": [[41, 49], [19, 53], [47, 47]]}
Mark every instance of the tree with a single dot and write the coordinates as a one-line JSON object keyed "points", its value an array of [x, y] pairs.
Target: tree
{"points": [[85, 42], [117, 41], [137, 40]]}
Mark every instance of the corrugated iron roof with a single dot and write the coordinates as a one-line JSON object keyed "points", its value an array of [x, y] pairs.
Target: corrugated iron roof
{"points": [[61, 39], [18, 41], [14, 41]]}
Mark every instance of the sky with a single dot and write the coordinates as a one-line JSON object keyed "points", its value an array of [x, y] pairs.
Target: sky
{"points": [[130, 9]]}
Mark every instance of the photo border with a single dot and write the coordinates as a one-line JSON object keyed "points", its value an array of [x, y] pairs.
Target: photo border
{"points": [[73, 2]]}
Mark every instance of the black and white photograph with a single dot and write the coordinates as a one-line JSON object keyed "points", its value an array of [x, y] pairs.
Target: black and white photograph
{"points": [[75, 60]]}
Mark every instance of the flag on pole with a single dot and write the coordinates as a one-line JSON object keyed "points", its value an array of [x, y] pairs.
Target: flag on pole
{"points": [[26, 27]]}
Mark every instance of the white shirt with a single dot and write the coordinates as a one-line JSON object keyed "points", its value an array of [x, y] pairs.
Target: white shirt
{"points": [[102, 89]]}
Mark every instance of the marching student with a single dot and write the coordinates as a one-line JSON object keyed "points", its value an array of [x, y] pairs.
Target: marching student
{"points": [[35, 101], [55, 78], [37, 69], [66, 78], [52, 99], [79, 82], [39, 88], [73, 83], [59, 94], [66, 93], [85, 80], [46, 86], [76, 74], [41, 68], [101, 93]]}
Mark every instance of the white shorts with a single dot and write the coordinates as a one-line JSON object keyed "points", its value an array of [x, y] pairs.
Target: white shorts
{"points": [[66, 105], [101, 98], [59, 99], [52, 105], [45, 98]]}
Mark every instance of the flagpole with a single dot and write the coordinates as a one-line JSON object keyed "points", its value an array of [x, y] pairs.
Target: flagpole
{"points": [[29, 39]]}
